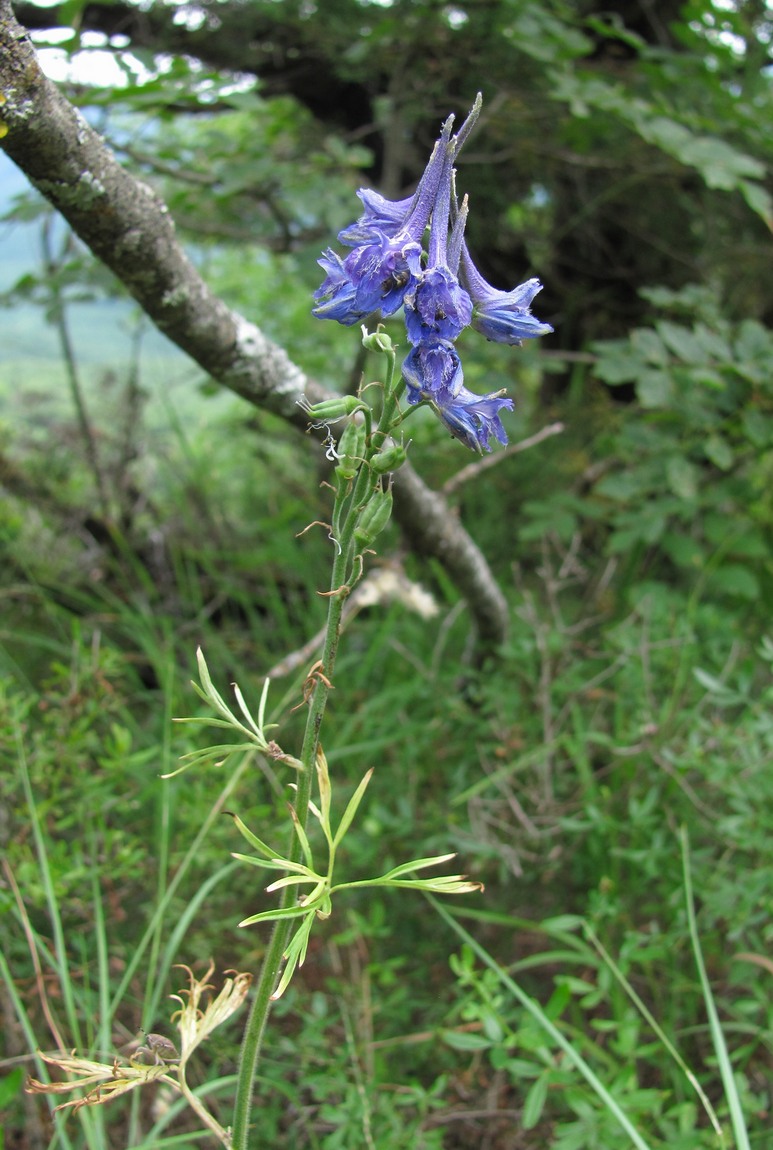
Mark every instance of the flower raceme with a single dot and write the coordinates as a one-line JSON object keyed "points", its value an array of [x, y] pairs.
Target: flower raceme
{"points": [[440, 289]]}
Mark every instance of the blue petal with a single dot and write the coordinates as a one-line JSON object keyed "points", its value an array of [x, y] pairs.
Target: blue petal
{"points": [[436, 307], [433, 371], [381, 214], [473, 419], [501, 325], [336, 296], [382, 272], [503, 317]]}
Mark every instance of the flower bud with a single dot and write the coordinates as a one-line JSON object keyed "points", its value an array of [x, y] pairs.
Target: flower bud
{"points": [[389, 459], [333, 409], [351, 448], [374, 518], [376, 340]]}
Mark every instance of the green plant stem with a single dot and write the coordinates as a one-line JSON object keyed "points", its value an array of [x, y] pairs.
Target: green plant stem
{"points": [[253, 1034], [198, 1106], [345, 575]]}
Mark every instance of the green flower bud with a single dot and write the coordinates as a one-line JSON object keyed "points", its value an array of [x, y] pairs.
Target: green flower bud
{"points": [[374, 518], [351, 449], [376, 340], [389, 459], [334, 408]]}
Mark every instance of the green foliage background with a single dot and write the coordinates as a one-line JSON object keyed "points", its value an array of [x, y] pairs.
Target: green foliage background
{"points": [[624, 157]]}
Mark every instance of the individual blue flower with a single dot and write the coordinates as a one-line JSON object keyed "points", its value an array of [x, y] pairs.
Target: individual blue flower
{"points": [[502, 316], [382, 270], [473, 419], [373, 277], [380, 215], [433, 371], [337, 293], [437, 307]]}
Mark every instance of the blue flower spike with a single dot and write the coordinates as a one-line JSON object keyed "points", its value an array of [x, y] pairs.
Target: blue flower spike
{"points": [[440, 288]]}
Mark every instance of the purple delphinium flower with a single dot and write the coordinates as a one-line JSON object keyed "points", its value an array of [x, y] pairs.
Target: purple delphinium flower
{"points": [[380, 215], [474, 418], [337, 294], [372, 277], [436, 305], [382, 270], [502, 316], [433, 372]]}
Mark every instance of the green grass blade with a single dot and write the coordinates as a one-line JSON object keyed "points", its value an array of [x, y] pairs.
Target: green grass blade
{"points": [[718, 1039], [41, 1069], [163, 822], [648, 1016], [172, 947], [191, 854], [539, 1016], [103, 970]]}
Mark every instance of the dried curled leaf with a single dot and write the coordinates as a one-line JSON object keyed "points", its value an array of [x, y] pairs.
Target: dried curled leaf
{"points": [[108, 1080], [195, 1024]]}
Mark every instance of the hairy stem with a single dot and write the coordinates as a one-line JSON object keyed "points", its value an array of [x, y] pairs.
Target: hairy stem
{"points": [[344, 576]]}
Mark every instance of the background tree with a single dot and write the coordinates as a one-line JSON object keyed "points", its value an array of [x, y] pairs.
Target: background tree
{"points": [[624, 157]]}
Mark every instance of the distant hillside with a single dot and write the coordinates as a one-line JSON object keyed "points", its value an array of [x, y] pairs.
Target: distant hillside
{"points": [[100, 330], [35, 394]]}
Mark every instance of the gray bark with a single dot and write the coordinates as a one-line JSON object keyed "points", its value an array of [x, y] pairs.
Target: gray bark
{"points": [[129, 228]]}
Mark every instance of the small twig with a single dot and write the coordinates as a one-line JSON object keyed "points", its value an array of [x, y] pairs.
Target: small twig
{"points": [[57, 307], [473, 470], [662, 761], [184, 175]]}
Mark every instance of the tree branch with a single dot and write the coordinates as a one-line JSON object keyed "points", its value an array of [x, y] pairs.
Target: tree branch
{"points": [[128, 227]]}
